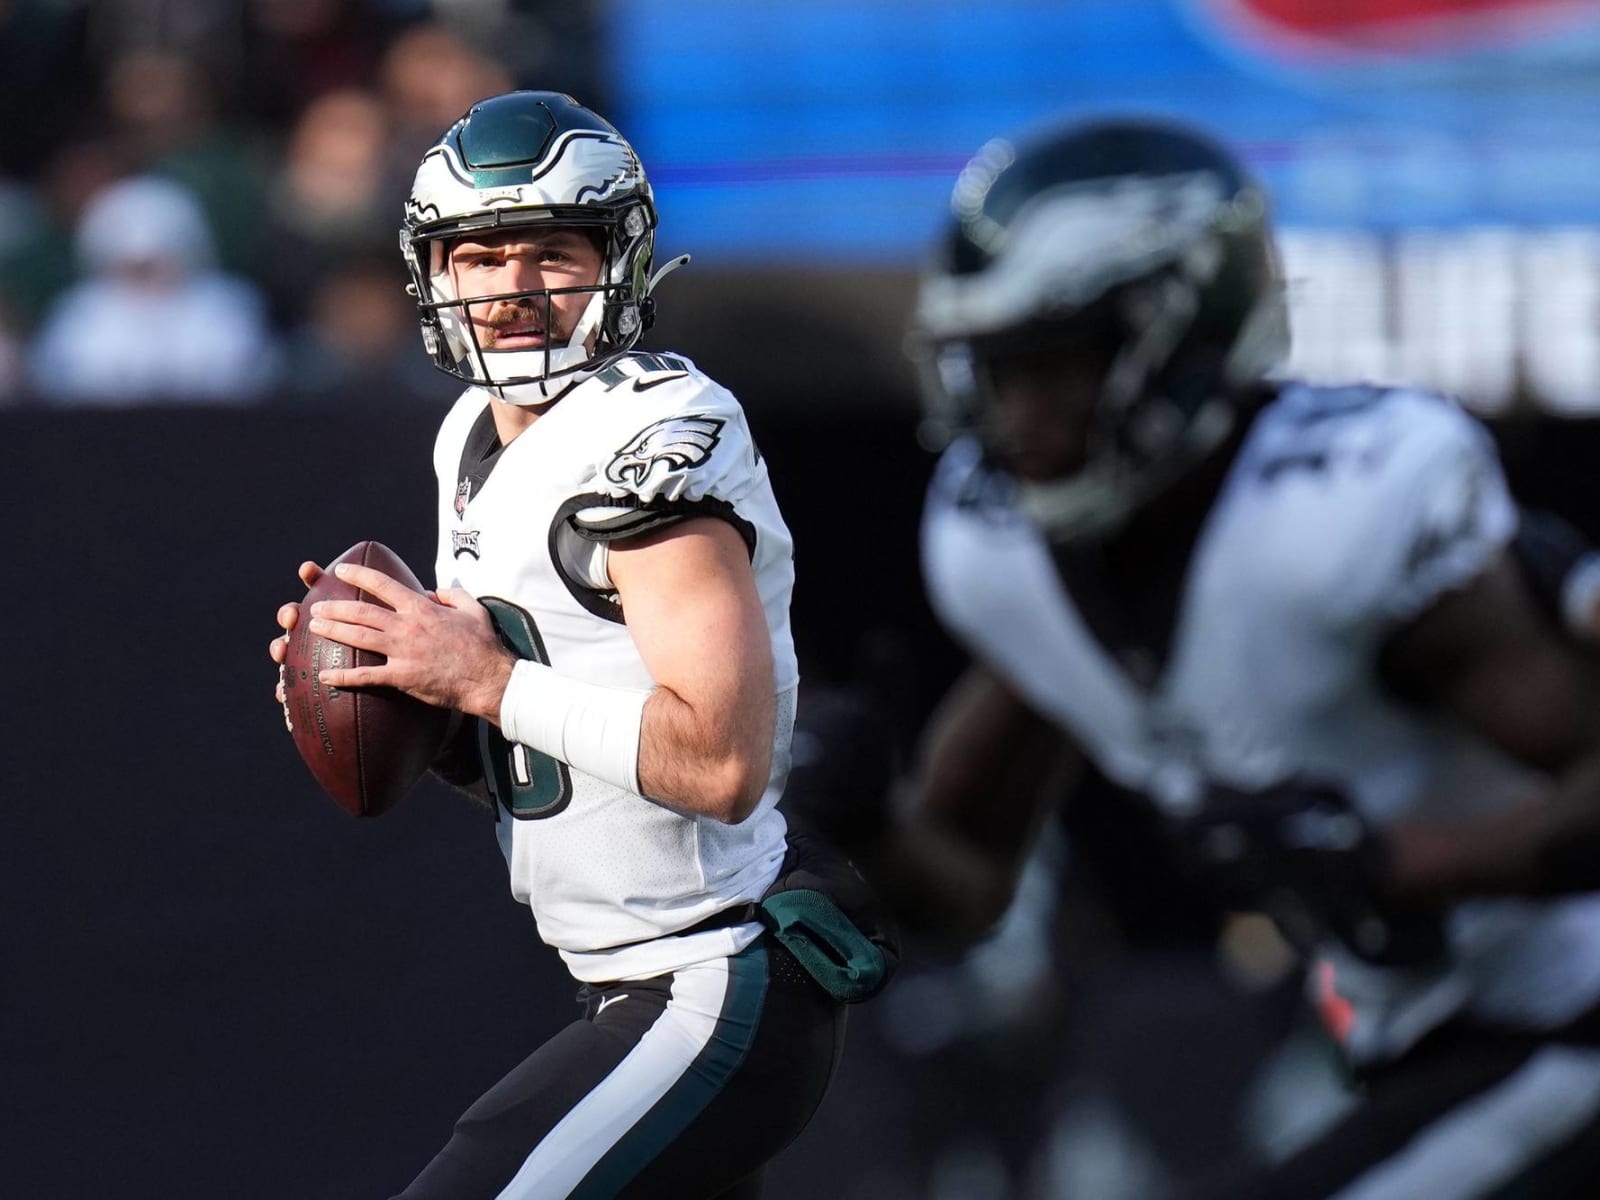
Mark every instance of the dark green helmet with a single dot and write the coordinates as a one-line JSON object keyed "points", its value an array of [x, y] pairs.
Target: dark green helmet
{"points": [[1142, 233]]}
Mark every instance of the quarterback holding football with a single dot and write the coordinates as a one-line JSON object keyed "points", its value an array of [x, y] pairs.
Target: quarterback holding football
{"points": [[612, 620]]}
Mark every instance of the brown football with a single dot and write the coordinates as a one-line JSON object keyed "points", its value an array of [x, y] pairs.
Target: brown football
{"points": [[365, 746]]}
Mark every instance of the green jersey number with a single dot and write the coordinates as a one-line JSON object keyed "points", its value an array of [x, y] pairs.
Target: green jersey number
{"points": [[527, 784]]}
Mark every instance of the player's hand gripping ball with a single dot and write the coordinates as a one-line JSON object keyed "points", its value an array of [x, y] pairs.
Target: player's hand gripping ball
{"points": [[367, 746]]}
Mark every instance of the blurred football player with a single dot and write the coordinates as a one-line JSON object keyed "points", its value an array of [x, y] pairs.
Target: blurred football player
{"points": [[613, 621], [1287, 620]]}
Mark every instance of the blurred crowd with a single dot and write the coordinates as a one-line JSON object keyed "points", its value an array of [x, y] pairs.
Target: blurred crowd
{"points": [[194, 193]]}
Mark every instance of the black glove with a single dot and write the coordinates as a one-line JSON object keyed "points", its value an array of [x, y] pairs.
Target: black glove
{"points": [[1300, 852]]}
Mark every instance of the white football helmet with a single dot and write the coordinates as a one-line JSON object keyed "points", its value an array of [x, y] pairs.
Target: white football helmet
{"points": [[527, 158]]}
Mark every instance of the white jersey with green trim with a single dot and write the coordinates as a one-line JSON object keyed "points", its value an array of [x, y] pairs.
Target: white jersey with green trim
{"points": [[609, 874], [1346, 512]]}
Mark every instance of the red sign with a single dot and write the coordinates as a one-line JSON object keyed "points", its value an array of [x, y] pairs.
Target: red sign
{"points": [[1356, 26]]}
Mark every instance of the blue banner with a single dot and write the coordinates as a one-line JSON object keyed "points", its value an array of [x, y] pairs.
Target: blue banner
{"points": [[831, 131]]}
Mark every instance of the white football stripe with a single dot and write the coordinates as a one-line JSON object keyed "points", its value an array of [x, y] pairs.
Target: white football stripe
{"points": [[603, 1117]]}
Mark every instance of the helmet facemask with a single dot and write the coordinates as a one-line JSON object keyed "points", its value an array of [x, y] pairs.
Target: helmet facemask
{"points": [[608, 325]]}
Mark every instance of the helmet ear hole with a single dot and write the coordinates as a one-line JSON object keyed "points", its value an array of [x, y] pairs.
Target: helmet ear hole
{"points": [[622, 324]]}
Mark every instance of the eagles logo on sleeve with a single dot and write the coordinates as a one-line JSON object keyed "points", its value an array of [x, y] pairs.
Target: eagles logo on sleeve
{"points": [[679, 443]]}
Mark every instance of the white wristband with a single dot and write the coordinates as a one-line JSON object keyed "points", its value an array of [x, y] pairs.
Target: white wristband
{"points": [[1580, 591], [592, 728]]}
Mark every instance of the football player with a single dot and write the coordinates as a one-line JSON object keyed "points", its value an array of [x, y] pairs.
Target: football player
{"points": [[1288, 621], [612, 620]]}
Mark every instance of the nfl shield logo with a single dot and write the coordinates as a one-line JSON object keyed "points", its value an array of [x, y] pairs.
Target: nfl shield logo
{"points": [[463, 494]]}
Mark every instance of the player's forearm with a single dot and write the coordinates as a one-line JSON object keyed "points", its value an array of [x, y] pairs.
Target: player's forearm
{"points": [[590, 727], [988, 770], [711, 763], [710, 760], [988, 767]]}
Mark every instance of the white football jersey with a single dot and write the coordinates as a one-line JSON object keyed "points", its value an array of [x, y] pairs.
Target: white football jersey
{"points": [[1346, 512], [646, 441]]}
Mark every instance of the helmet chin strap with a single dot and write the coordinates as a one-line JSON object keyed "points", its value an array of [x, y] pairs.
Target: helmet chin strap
{"points": [[588, 322], [544, 391], [536, 394]]}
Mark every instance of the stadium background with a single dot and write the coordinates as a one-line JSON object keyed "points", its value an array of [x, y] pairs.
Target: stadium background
{"points": [[217, 985]]}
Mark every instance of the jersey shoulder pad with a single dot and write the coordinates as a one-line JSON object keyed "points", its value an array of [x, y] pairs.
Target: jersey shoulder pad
{"points": [[680, 447], [1400, 489]]}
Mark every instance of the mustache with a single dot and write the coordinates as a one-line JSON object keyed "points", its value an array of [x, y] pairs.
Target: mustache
{"points": [[520, 313]]}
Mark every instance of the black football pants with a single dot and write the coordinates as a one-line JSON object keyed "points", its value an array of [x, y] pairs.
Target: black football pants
{"points": [[679, 1087]]}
